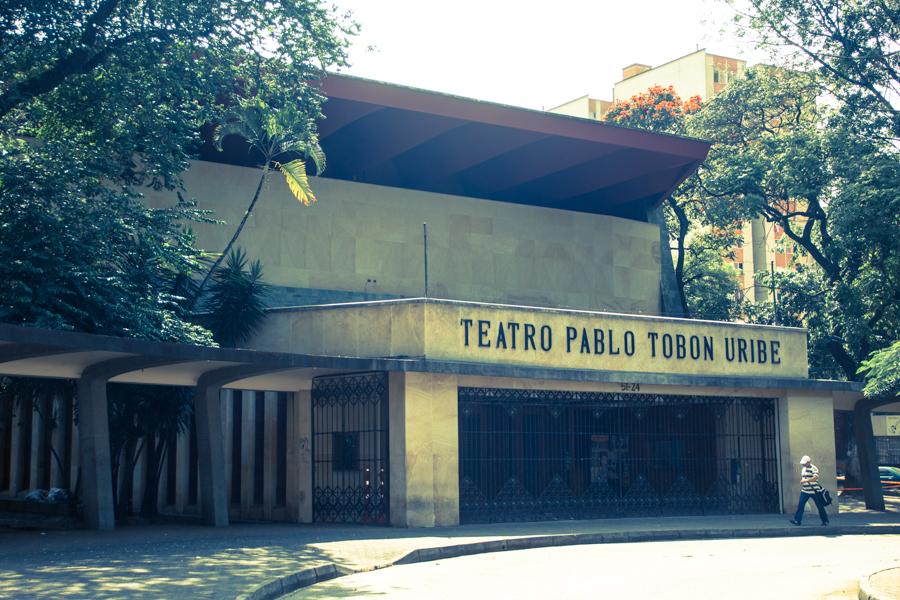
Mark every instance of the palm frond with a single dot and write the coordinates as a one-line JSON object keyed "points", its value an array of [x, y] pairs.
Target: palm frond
{"points": [[222, 131], [295, 175], [314, 151]]}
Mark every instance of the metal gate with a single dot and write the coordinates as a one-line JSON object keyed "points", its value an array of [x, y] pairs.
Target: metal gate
{"points": [[350, 448], [543, 455]]}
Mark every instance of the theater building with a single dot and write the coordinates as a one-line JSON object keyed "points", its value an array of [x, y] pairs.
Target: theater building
{"points": [[467, 327]]}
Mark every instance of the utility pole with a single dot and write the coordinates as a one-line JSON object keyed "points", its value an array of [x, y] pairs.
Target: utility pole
{"points": [[772, 284], [425, 240]]}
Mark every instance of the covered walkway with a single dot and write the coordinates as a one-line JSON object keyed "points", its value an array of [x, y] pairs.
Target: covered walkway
{"points": [[94, 361]]}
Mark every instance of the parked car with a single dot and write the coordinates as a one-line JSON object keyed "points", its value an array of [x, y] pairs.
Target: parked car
{"points": [[889, 473]]}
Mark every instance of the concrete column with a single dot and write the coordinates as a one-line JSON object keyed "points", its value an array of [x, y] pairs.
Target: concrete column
{"points": [[424, 450], [211, 455], [248, 454], [59, 440], [139, 480], [182, 470], [299, 459], [93, 446], [226, 409], [38, 440], [74, 469], [17, 452], [670, 296], [270, 439], [760, 254], [806, 427], [6, 426]]}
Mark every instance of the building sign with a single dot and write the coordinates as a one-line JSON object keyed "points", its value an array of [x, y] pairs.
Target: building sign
{"points": [[446, 330], [612, 342], [658, 344]]}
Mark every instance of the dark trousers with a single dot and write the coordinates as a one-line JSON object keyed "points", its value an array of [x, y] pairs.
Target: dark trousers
{"points": [[820, 504]]}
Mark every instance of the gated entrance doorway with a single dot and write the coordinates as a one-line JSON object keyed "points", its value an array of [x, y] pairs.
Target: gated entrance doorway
{"points": [[350, 448], [542, 455]]}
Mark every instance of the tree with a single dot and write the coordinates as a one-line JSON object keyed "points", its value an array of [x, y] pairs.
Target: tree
{"points": [[851, 45], [781, 155], [280, 137], [882, 372], [101, 98], [662, 109], [235, 308], [710, 284]]}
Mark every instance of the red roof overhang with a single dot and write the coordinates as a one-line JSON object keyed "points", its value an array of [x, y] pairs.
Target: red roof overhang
{"points": [[391, 135]]}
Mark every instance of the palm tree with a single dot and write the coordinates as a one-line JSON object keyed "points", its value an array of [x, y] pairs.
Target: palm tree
{"points": [[282, 138], [236, 307]]}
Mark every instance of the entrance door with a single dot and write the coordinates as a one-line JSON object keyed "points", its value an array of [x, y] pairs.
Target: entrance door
{"points": [[350, 448], [543, 455]]}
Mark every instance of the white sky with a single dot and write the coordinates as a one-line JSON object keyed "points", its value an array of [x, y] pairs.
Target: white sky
{"points": [[529, 53]]}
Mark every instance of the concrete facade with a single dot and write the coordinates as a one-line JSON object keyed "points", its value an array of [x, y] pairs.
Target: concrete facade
{"points": [[498, 334], [368, 239]]}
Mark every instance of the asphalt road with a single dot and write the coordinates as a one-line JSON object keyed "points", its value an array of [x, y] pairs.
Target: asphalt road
{"points": [[777, 568]]}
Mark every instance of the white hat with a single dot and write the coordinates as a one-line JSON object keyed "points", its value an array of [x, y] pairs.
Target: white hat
{"points": [[805, 460]]}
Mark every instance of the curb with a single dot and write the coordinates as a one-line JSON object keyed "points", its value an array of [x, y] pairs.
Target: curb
{"points": [[866, 591], [289, 583], [284, 585]]}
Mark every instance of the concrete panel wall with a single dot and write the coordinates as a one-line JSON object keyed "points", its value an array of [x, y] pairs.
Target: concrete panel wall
{"points": [[806, 423], [453, 331], [478, 249], [424, 450]]}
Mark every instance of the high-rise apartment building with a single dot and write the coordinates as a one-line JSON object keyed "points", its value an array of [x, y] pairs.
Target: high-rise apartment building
{"points": [[702, 74]]}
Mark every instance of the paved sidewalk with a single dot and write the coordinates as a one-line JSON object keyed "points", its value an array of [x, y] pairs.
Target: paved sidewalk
{"points": [[192, 561]]}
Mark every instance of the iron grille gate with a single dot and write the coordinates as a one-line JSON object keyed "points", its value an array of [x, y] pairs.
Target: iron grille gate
{"points": [[350, 448], [542, 455]]}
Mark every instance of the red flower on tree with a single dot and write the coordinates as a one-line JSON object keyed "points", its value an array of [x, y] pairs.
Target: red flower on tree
{"points": [[657, 109]]}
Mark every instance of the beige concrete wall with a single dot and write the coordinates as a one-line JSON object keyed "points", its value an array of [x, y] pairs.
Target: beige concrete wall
{"points": [[579, 107], [438, 329], [688, 75], [424, 450], [478, 250], [806, 423], [299, 494]]}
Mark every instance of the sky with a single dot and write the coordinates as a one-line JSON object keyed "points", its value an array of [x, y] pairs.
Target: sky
{"points": [[527, 53]]}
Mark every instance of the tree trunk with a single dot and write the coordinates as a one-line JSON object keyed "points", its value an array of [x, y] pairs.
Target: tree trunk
{"points": [[233, 239], [150, 504], [683, 226], [865, 445]]}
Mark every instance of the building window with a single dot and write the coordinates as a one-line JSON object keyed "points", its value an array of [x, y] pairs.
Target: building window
{"points": [[715, 76]]}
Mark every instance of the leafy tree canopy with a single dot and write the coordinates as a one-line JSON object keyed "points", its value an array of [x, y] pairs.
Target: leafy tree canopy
{"points": [[882, 371], [661, 109], [101, 97], [780, 154], [657, 109], [852, 45]]}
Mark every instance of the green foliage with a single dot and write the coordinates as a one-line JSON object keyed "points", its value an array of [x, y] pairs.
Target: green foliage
{"points": [[274, 133], [100, 98], [711, 285], [236, 303], [698, 275], [781, 155], [81, 254], [144, 419], [882, 371], [851, 45]]}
